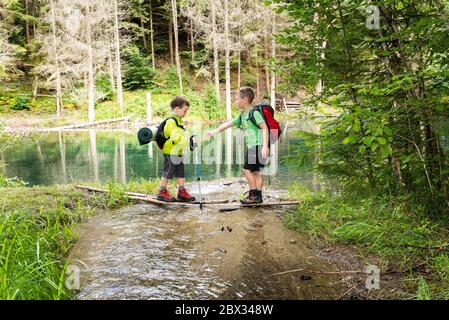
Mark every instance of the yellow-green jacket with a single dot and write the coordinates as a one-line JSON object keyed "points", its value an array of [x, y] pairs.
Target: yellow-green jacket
{"points": [[178, 142]]}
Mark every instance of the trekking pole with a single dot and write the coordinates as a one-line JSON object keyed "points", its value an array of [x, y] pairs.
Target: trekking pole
{"points": [[194, 146]]}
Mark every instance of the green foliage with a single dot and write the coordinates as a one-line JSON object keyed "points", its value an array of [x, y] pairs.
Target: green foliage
{"points": [[396, 229], [391, 85], [423, 292], [137, 72], [212, 106], [21, 103], [171, 79], [37, 231], [10, 182], [103, 89]]}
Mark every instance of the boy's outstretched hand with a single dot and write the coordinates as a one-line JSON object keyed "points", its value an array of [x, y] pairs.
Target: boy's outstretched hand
{"points": [[265, 152], [208, 135]]}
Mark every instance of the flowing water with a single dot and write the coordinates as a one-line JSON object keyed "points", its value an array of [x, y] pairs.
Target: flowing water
{"points": [[147, 252]]}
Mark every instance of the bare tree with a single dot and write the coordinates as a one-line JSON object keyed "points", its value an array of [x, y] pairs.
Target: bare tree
{"points": [[227, 61], [55, 57], [175, 28], [117, 55], [215, 48], [153, 62], [273, 56]]}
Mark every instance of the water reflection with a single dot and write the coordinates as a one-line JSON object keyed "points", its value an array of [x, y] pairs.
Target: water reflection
{"points": [[101, 155]]}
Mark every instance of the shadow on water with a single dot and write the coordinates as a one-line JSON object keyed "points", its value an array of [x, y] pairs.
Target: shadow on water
{"points": [[145, 252]]}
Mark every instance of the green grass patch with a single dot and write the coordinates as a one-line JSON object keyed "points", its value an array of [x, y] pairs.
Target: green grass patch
{"points": [[397, 230], [37, 232]]}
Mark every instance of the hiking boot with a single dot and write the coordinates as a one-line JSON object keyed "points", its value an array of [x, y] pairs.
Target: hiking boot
{"points": [[184, 196], [259, 196], [251, 198], [164, 195]]}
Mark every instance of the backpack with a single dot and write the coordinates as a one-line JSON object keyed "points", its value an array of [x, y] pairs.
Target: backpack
{"points": [[160, 136], [267, 112]]}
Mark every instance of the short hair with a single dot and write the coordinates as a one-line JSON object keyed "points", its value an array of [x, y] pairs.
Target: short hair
{"points": [[179, 101], [247, 92]]}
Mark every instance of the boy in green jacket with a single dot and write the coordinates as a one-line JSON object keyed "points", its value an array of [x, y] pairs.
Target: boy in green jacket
{"points": [[256, 140], [173, 151]]}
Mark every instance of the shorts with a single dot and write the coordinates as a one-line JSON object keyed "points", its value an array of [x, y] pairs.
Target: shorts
{"points": [[173, 167], [254, 160]]}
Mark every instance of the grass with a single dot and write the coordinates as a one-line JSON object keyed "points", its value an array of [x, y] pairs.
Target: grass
{"points": [[37, 232], [394, 229]]}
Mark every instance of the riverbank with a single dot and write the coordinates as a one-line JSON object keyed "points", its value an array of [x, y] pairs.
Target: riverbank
{"points": [[404, 239], [37, 231], [40, 226]]}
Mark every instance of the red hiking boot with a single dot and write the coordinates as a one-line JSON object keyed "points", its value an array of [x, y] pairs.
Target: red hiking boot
{"points": [[164, 195], [184, 196]]}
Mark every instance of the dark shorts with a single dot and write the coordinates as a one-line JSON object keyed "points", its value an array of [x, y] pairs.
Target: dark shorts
{"points": [[173, 167], [253, 159]]}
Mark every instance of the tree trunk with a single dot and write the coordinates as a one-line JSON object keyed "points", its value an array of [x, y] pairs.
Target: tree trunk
{"points": [[144, 38], [35, 87], [90, 68], [170, 41], [153, 62], [118, 60], [267, 70], [227, 60], [58, 71], [257, 77], [27, 24], [239, 65], [214, 43], [111, 70], [273, 73], [192, 41], [35, 14], [175, 29]]}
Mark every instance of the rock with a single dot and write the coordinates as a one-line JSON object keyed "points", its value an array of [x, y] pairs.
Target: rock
{"points": [[293, 241], [222, 229], [306, 278], [221, 250], [229, 228], [264, 242]]}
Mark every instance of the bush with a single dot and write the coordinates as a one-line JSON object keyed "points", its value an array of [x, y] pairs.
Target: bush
{"points": [[21, 103], [212, 105], [103, 89], [137, 73], [171, 79]]}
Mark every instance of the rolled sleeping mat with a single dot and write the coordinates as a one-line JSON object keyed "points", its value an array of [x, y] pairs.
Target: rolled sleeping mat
{"points": [[146, 135]]}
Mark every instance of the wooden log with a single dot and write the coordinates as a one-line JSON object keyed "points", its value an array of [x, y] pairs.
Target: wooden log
{"points": [[84, 125], [150, 198], [147, 198]]}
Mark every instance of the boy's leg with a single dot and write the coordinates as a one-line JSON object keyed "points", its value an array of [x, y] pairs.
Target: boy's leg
{"points": [[259, 180], [183, 194], [167, 174], [181, 183], [251, 179], [163, 184]]}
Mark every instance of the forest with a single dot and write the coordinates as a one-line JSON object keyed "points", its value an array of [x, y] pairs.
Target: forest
{"points": [[372, 76]]}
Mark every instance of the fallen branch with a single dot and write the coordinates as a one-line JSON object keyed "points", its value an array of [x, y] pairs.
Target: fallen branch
{"points": [[91, 124], [319, 272], [147, 198]]}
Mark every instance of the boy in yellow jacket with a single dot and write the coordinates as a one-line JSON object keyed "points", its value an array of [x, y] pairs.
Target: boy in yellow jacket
{"points": [[173, 151]]}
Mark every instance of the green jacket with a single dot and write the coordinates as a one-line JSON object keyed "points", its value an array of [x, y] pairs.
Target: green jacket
{"points": [[178, 142]]}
